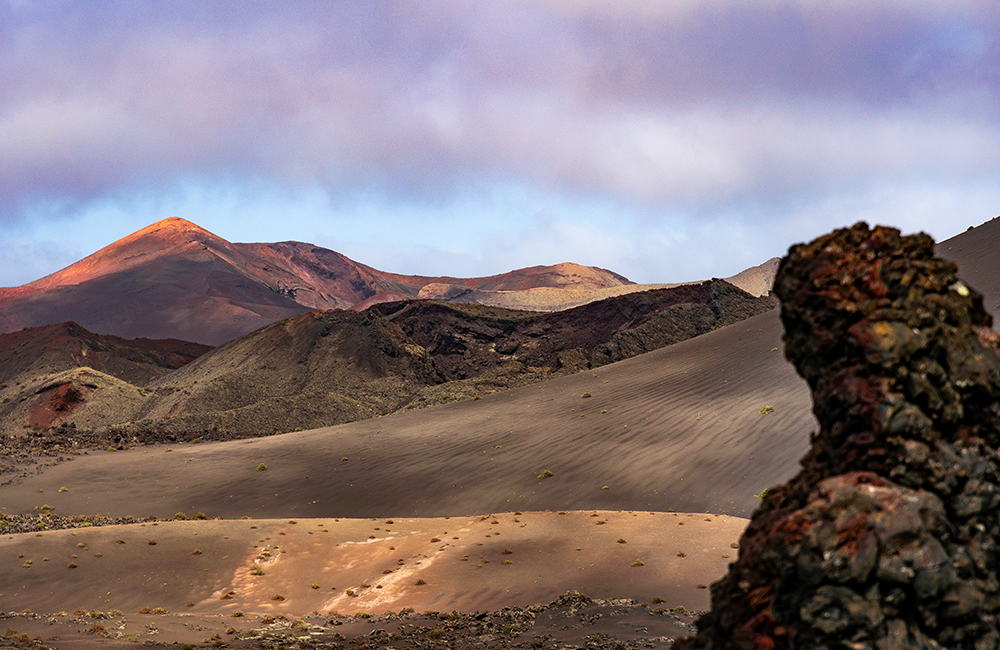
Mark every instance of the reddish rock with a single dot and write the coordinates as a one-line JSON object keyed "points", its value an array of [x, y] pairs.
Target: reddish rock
{"points": [[889, 537]]}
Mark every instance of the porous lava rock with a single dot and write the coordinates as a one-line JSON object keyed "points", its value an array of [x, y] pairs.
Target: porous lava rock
{"points": [[889, 537]]}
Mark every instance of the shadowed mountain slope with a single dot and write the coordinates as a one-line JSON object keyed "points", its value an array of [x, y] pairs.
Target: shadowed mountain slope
{"points": [[329, 367], [47, 374]]}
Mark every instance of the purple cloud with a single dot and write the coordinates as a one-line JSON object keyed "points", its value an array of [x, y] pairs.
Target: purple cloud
{"points": [[692, 104]]}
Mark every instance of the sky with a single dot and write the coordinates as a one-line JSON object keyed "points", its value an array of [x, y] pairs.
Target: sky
{"points": [[666, 140]]}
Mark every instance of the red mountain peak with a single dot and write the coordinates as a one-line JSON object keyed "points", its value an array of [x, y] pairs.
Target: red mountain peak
{"points": [[171, 229], [138, 248]]}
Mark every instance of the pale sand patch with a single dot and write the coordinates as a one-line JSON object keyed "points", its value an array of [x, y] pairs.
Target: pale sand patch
{"points": [[418, 563]]}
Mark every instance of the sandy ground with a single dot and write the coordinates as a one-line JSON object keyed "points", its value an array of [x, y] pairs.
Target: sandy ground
{"points": [[677, 429], [212, 569]]}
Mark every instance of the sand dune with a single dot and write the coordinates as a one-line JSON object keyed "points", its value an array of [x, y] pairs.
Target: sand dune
{"points": [[678, 428]]}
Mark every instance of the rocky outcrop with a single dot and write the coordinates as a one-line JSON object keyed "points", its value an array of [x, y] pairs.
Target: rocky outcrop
{"points": [[889, 537]]}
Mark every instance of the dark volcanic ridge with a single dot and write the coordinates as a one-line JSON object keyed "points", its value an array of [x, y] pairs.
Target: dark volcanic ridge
{"points": [[329, 367]]}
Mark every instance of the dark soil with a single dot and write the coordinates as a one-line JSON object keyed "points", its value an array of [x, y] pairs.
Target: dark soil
{"points": [[572, 621]]}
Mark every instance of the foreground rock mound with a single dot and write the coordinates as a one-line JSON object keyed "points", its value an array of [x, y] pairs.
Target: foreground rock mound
{"points": [[888, 537]]}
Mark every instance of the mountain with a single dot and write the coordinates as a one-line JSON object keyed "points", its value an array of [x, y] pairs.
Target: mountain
{"points": [[333, 366], [48, 373], [756, 280], [174, 279]]}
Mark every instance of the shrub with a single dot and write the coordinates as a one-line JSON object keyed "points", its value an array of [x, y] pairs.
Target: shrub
{"points": [[261, 467], [546, 474], [764, 410]]}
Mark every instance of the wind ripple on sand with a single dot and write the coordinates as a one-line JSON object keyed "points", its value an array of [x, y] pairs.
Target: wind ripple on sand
{"points": [[678, 428]]}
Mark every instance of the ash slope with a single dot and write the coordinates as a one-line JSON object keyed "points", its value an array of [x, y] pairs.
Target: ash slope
{"points": [[324, 368]]}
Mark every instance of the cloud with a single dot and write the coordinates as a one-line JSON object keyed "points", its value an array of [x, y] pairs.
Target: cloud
{"points": [[652, 101], [685, 117]]}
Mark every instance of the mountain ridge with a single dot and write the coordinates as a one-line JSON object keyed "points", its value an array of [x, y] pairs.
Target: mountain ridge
{"points": [[153, 282]]}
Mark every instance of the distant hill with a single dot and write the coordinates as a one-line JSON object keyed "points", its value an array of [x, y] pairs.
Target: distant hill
{"points": [[174, 279], [757, 280], [334, 366], [47, 373]]}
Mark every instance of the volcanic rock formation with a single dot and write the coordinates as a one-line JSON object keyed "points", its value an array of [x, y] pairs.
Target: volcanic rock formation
{"points": [[888, 537]]}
